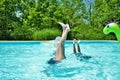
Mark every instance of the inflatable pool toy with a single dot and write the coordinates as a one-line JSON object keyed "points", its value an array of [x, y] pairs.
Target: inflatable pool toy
{"points": [[113, 27]]}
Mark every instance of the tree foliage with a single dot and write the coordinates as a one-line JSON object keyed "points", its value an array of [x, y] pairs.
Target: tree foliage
{"points": [[24, 19]]}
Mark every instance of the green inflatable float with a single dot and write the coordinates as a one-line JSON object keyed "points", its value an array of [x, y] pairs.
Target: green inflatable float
{"points": [[113, 27]]}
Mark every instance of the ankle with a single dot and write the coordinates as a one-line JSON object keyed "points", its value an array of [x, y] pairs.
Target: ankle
{"points": [[74, 41]]}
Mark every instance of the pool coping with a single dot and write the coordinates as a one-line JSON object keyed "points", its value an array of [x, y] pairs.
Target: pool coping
{"points": [[66, 41]]}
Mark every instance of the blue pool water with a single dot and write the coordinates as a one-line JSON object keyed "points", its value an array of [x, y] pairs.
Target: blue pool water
{"points": [[27, 61]]}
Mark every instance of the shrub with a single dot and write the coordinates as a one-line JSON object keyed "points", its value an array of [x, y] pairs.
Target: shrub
{"points": [[90, 33], [24, 33], [46, 34]]}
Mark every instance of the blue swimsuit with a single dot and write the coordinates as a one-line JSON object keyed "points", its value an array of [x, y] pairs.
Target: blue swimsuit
{"points": [[81, 56], [52, 61]]}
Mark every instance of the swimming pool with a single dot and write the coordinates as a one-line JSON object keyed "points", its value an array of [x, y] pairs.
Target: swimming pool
{"points": [[27, 61]]}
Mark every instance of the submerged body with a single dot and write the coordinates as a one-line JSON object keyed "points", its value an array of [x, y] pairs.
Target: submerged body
{"points": [[60, 50], [78, 53]]}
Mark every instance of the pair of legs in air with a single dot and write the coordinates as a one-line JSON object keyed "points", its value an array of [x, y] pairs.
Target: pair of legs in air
{"points": [[79, 53], [78, 47], [60, 50]]}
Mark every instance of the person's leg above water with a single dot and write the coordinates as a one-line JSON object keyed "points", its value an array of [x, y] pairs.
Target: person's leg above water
{"points": [[60, 51], [74, 48], [83, 56], [78, 47]]}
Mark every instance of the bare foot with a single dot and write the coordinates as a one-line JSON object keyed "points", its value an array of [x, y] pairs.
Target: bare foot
{"points": [[74, 41], [63, 25], [67, 27], [78, 41]]}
